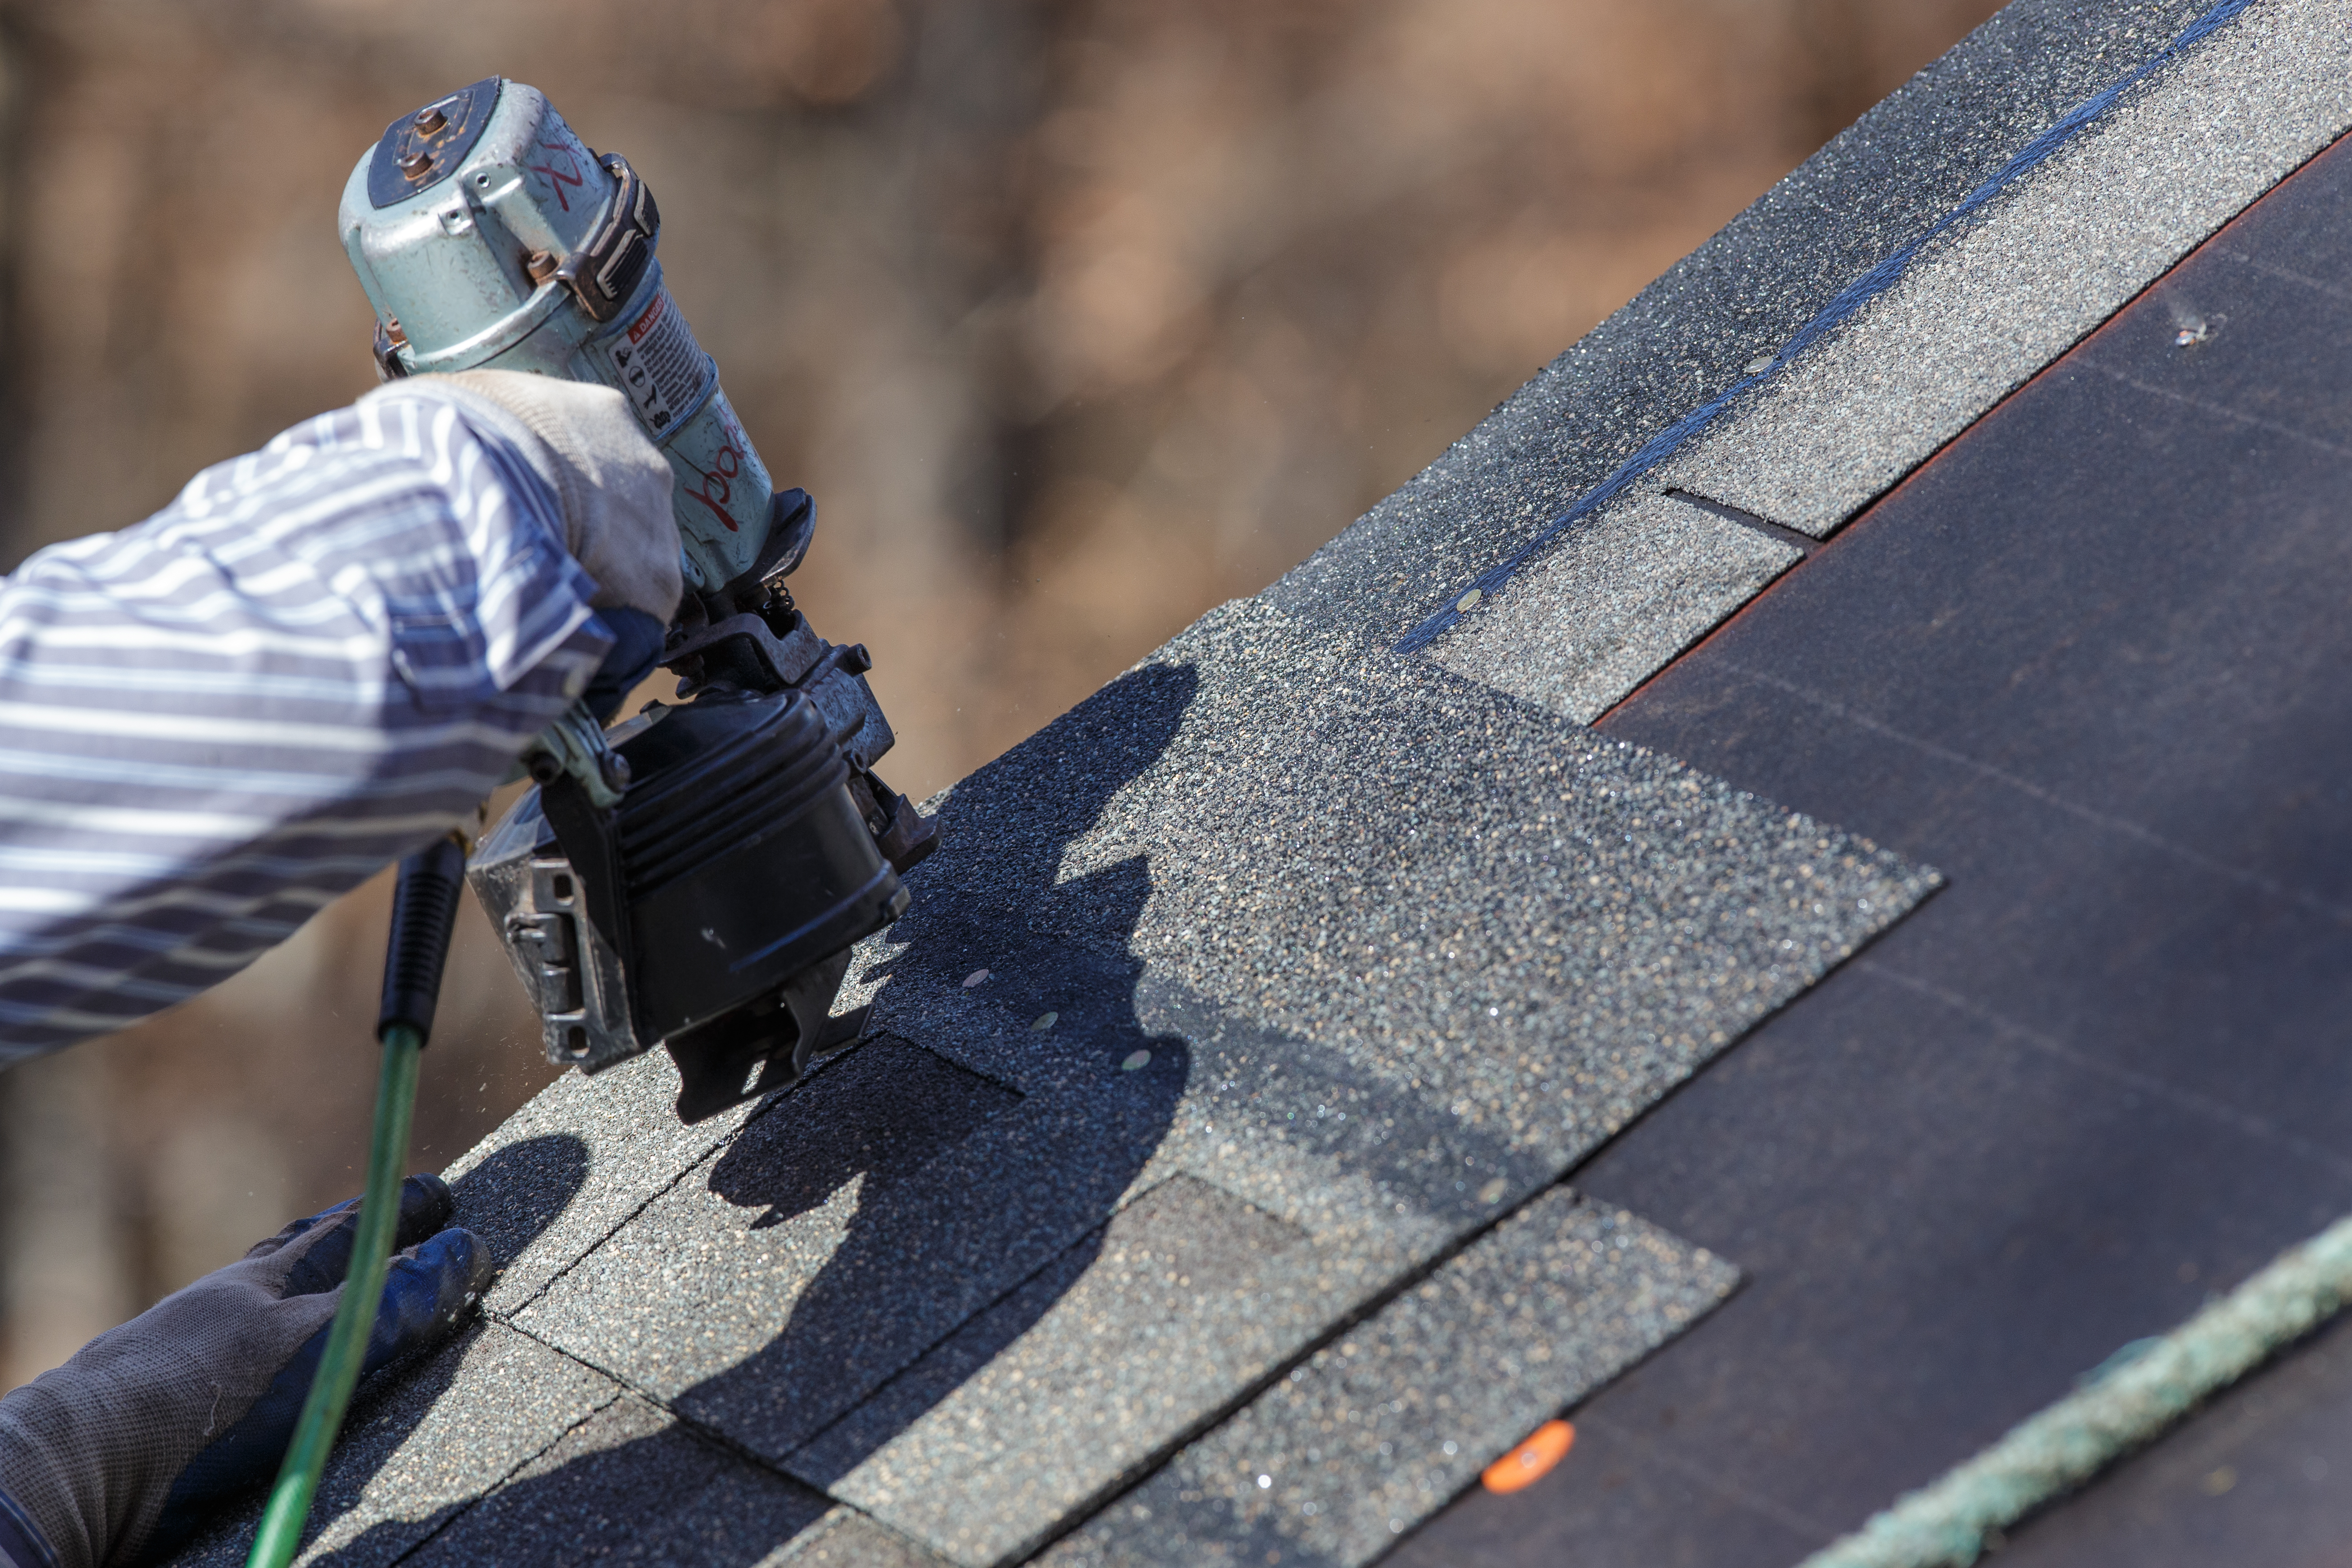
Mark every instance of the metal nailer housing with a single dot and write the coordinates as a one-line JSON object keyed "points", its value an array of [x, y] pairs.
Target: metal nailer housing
{"points": [[711, 906]]}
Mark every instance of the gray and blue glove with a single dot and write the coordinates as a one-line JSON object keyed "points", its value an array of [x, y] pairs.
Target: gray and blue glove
{"points": [[116, 1456]]}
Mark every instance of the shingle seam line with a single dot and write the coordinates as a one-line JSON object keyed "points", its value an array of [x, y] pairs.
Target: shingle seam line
{"points": [[2123, 827], [506, 1315], [618, 1379], [909, 1365], [1342, 1326], [1855, 295], [557, 1276], [1714, 1480], [2196, 1104], [1803, 543], [883, 1527], [701, 1432], [511, 1471]]}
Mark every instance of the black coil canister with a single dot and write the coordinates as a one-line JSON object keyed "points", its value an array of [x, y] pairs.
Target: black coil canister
{"points": [[423, 909]]}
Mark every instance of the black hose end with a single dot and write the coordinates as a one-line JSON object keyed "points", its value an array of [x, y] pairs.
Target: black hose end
{"points": [[423, 909]]}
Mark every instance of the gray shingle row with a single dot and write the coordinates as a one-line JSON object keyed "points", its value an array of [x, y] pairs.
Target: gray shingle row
{"points": [[1982, 307], [422, 1447], [1620, 595], [2061, 249], [1696, 331], [1289, 970], [1377, 1431]]}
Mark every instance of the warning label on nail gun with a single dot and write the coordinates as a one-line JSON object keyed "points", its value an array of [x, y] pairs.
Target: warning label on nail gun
{"points": [[662, 369]]}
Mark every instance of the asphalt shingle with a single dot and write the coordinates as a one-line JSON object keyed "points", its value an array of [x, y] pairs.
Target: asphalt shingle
{"points": [[1499, 938], [1036, 1407], [800, 1266], [629, 1485], [1506, 935], [845, 1538], [2061, 249], [1611, 602], [421, 1445], [1374, 1433], [556, 1177]]}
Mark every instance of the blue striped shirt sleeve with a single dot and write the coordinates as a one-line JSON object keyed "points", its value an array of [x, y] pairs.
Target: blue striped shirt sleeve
{"points": [[318, 657]]}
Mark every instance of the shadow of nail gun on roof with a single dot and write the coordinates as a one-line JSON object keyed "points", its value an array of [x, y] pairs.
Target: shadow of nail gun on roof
{"points": [[877, 1207], [965, 1192], [515, 1194]]}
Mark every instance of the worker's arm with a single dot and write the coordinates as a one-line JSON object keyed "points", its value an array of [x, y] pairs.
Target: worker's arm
{"points": [[316, 658]]}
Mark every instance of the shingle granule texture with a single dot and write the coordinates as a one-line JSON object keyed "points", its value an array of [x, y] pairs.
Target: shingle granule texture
{"points": [[420, 1446], [629, 1485], [1611, 602], [848, 1539], [815, 1255], [1034, 1408], [558, 1176], [2060, 251], [1336, 957], [1374, 1433], [1437, 895]]}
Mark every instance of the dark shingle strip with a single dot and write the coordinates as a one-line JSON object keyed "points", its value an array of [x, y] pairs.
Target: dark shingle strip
{"points": [[629, 1485]]}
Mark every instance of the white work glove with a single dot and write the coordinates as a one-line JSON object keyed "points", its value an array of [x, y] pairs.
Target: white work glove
{"points": [[116, 1456], [613, 484]]}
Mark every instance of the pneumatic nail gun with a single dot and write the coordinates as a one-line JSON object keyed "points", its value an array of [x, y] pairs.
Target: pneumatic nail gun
{"points": [[695, 876]]}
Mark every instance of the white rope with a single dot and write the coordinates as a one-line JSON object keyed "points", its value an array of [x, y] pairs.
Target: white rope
{"points": [[2124, 1405]]}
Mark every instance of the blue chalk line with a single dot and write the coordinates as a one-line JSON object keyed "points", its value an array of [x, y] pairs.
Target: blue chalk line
{"points": [[1855, 295]]}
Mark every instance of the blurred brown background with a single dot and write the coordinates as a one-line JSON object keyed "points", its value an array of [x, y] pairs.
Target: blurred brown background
{"points": [[1077, 316]]}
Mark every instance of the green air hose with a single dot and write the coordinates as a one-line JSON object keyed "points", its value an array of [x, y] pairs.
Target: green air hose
{"points": [[338, 1368], [424, 907]]}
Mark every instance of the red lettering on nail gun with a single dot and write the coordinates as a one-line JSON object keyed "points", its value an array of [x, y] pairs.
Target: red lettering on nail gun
{"points": [[721, 474], [645, 323], [558, 178]]}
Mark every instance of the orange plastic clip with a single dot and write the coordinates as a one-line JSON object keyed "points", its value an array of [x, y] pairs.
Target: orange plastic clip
{"points": [[1544, 1447]]}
